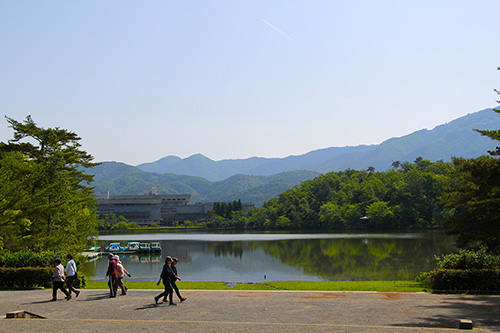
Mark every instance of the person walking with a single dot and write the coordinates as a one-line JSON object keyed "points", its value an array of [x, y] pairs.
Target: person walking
{"points": [[71, 275], [112, 275], [58, 281], [174, 285], [121, 274], [168, 277]]}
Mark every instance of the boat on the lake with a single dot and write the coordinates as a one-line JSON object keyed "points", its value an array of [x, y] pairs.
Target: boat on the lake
{"points": [[114, 247], [144, 247], [132, 247], [155, 247]]}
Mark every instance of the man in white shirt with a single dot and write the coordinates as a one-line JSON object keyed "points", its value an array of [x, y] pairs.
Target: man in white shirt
{"points": [[71, 274]]}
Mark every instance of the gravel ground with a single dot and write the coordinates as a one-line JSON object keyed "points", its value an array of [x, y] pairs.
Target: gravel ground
{"points": [[251, 311]]}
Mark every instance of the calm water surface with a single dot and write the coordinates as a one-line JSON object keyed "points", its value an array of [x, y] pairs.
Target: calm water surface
{"points": [[279, 257]]}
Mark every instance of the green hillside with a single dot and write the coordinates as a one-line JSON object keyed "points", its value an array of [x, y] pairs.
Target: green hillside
{"points": [[120, 179]]}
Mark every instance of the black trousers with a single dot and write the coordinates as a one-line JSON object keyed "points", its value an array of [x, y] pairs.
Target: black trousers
{"points": [[69, 284], [58, 285], [168, 291], [174, 286], [113, 285]]}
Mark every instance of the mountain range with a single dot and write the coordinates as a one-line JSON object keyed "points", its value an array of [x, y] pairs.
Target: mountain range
{"points": [[455, 138], [258, 179]]}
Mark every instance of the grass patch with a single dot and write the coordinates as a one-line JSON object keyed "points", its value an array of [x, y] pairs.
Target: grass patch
{"points": [[401, 286], [384, 286]]}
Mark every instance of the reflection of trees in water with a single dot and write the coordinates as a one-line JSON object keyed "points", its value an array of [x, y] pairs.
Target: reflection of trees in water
{"points": [[360, 259], [235, 249], [222, 249]]}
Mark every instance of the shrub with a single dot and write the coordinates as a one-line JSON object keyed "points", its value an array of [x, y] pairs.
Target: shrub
{"points": [[466, 270], [31, 277], [24, 269], [81, 282], [423, 278], [465, 279], [469, 259], [25, 278], [31, 258], [28, 258]]}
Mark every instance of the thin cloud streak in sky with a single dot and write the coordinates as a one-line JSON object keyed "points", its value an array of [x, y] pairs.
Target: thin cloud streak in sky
{"points": [[278, 30]]}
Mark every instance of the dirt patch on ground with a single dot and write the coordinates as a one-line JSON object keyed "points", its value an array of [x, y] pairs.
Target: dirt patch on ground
{"points": [[324, 296], [252, 295], [392, 297], [192, 292]]}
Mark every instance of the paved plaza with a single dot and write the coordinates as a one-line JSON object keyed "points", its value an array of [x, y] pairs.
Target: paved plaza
{"points": [[250, 311]]}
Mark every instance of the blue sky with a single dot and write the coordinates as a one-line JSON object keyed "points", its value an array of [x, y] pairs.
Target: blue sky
{"points": [[140, 80]]}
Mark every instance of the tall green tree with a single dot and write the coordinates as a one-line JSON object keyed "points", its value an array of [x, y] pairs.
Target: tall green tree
{"points": [[46, 188], [16, 174], [475, 194], [493, 134]]}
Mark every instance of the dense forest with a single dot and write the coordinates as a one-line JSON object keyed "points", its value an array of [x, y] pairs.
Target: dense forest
{"points": [[405, 197]]}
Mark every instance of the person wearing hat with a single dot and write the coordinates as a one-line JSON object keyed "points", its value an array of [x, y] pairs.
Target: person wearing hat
{"points": [[112, 275], [168, 277], [58, 280], [174, 285]]}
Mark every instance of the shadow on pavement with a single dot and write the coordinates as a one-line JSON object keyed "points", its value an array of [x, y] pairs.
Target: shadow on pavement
{"points": [[483, 311], [98, 297], [147, 307], [43, 302]]}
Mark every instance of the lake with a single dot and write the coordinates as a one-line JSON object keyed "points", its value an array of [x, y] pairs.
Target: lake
{"points": [[260, 257]]}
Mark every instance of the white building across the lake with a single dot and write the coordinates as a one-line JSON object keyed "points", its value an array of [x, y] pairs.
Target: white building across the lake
{"points": [[155, 208]]}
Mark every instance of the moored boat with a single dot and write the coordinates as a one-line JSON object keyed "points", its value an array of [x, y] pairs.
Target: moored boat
{"points": [[113, 247], [155, 247], [144, 247], [132, 247]]}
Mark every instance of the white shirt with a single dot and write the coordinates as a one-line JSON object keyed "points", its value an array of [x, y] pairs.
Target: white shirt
{"points": [[71, 268]]}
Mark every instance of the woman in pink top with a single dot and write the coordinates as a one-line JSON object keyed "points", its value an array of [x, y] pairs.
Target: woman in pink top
{"points": [[121, 273]]}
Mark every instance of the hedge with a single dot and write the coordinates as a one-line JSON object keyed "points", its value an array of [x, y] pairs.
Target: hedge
{"points": [[469, 259], [29, 258], [31, 277], [25, 278], [465, 279]]}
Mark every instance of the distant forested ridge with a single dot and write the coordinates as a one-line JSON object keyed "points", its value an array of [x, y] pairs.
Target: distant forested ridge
{"points": [[121, 179], [406, 197], [259, 179], [453, 139]]}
